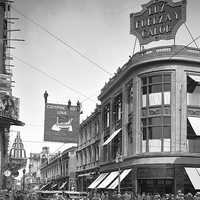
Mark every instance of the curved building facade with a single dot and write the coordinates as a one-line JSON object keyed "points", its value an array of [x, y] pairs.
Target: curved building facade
{"points": [[151, 118]]}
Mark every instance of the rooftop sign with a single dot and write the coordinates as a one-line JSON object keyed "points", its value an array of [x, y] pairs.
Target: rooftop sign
{"points": [[158, 20]]}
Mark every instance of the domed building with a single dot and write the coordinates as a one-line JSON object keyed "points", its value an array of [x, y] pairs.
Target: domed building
{"points": [[17, 156]]}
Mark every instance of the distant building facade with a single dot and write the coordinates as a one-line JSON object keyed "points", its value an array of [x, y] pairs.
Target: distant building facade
{"points": [[88, 149], [58, 172]]}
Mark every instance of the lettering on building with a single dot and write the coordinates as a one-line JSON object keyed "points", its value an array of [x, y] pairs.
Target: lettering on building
{"points": [[159, 19]]}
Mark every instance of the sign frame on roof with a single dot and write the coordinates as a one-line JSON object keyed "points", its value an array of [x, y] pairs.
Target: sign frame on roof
{"points": [[158, 20]]}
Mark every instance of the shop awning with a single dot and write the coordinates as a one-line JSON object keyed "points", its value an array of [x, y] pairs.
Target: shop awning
{"points": [[122, 176], [63, 185], [53, 186], [97, 181], [86, 174], [195, 123], [44, 186], [194, 176], [195, 78], [111, 137], [108, 179]]}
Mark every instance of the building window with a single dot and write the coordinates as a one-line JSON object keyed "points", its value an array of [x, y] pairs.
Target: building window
{"points": [[193, 113], [117, 111], [116, 145], [156, 116], [130, 137], [130, 97], [106, 116]]}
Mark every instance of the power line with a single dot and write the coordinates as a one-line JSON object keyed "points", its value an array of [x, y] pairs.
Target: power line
{"points": [[52, 77], [62, 41], [177, 52]]}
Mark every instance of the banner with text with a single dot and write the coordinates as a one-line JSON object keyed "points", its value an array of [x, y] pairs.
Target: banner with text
{"points": [[61, 123]]}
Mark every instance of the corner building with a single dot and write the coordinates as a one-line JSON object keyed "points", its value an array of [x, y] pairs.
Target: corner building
{"points": [[151, 117]]}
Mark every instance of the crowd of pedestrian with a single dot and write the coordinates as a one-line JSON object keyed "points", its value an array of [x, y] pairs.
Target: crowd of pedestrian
{"points": [[144, 196]]}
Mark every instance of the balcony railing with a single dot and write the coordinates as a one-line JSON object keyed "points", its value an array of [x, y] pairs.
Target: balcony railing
{"points": [[155, 54], [88, 166]]}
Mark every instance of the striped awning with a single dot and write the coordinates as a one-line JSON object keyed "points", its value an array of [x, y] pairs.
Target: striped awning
{"points": [[63, 185], [194, 176], [122, 176], [97, 181], [195, 123], [111, 137], [108, 179]]}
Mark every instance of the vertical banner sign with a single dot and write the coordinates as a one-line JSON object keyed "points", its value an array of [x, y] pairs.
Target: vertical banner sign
{"points": [[158, 20], [61, 123]]}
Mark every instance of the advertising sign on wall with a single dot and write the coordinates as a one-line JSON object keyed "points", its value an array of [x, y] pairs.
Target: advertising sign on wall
{"points": [[158, 20], [61, 123], [9, 106]]}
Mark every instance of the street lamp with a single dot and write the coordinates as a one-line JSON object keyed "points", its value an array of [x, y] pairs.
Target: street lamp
{"points": [[119, 159]]}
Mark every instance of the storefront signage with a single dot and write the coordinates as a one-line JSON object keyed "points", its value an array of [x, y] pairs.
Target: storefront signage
{"points": [[158, 20], [9, 106], [61, 123]]}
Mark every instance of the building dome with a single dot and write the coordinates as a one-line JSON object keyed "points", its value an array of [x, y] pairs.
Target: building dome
{"points": [[17, 154]]}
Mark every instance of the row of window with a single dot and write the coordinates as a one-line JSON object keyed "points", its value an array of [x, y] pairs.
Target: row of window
{"points": [[89, 155], [155, 115], [88, 132]]}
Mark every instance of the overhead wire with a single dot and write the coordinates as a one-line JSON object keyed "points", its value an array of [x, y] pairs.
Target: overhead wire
{"points": [[179, 51], [63, 42], [52, 77]]}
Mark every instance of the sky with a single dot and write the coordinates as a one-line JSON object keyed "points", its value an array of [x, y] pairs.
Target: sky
{"points": [[99, 29]]}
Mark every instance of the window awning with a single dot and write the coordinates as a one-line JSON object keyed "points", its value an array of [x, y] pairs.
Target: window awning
{"points": [[97, 180], [86, 174], [108, 179], [63, 185], [53, 186], [44, 186], [122, 176], [195, 78], [195, 123], [111, 137], [194, 176]]}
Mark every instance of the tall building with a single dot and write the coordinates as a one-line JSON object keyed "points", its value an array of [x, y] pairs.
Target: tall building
{"points": [[9, 105], [150, 111]]}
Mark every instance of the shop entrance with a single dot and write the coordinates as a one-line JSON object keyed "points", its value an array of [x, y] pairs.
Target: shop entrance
{"points": [[152, 186]]}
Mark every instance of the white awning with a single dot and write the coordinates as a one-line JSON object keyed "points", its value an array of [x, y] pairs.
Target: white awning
{"points": [[122, 176], [195, 78], [194, 176], [44, 186], [87, 174], [97, 180], [63, 185], [111, 137], [53, 186], [195, 123], [108, 179]]}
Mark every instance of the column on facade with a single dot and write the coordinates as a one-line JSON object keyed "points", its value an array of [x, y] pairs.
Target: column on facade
{"points": [[179, 118], [112, 128], [92, 153], [137, 133], [124, 121]]}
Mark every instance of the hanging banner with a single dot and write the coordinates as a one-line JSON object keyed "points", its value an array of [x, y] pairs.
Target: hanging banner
{"points": [[61, 123], [158, 20]]}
